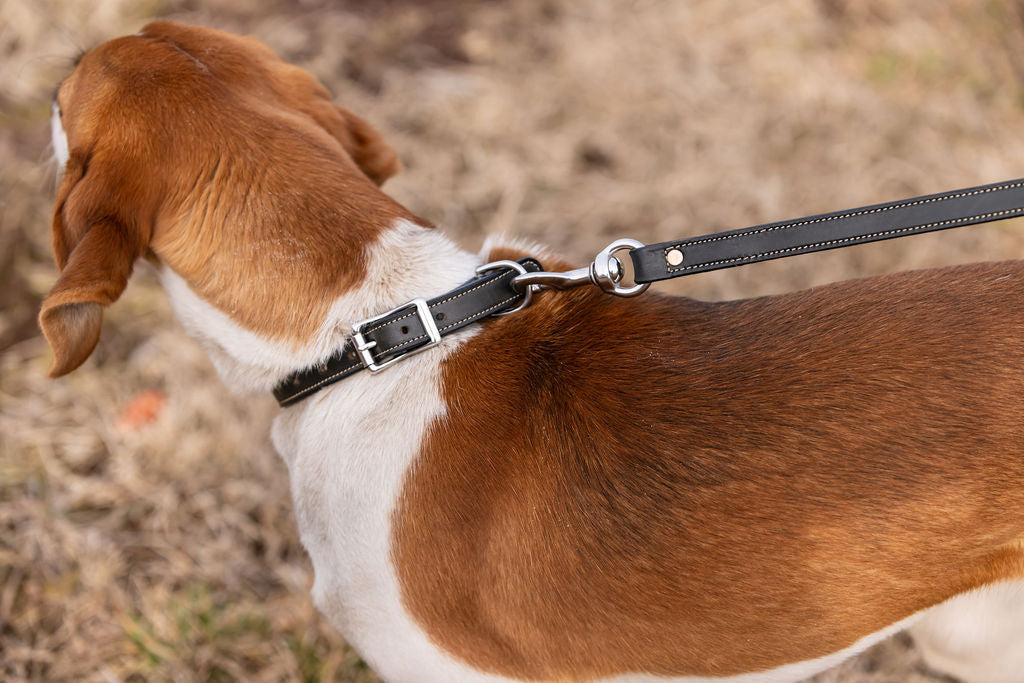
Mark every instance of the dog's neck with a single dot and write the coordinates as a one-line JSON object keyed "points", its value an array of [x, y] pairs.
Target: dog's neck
{"points": [[404, 262]]}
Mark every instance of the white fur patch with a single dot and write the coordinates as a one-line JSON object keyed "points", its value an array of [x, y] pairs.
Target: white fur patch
{"points": [[977, 636], [60, 140]]}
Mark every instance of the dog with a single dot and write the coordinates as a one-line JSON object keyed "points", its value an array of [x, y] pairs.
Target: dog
{"points": [[591, 488]]}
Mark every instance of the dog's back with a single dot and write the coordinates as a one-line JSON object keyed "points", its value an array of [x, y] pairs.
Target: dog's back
{"points": [[667, 476]]}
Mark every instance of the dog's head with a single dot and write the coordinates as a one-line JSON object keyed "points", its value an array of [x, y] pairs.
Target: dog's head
{"points": [[210, 155]]}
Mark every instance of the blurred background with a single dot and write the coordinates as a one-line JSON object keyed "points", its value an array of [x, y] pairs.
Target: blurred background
{"points": [[146, 531]]}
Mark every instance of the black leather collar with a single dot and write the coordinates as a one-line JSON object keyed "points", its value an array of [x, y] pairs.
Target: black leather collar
{"points": [[377, 342]]}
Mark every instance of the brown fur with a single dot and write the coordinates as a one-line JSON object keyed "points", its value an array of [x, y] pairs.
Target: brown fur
{"points": [[676, 487], [232, 166]]}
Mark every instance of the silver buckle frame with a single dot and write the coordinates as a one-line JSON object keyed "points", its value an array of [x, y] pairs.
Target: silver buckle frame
{"points": [[364, 346]]}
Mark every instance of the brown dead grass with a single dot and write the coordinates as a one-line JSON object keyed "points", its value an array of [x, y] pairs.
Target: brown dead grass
{"points": [[167, 550]]}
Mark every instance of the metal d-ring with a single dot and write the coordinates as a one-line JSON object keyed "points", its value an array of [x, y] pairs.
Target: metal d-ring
{"points": [[518, 267]]}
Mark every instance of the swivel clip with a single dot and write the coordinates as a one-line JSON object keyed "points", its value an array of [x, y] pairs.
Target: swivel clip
{"points": [[605, 271]]}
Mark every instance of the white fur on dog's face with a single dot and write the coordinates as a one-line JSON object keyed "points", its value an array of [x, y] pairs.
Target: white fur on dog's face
{"points": [[60, 140]]}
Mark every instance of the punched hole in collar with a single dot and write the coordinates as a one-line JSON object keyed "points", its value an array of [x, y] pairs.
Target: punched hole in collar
{"points": [[439, 316], [405, 329]]}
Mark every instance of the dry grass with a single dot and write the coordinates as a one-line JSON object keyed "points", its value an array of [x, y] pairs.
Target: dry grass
{"points": [[167, 550]]}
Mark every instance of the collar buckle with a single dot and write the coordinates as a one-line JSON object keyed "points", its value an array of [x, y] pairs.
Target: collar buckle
{"points": [[364, 346]]}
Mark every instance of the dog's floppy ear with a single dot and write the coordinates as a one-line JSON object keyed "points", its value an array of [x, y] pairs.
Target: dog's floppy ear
{"points": [[95, 246], [366, 146]]}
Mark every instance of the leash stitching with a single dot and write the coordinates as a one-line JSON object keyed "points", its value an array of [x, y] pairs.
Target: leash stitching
{"points": [[850, 214], [847, 239]]}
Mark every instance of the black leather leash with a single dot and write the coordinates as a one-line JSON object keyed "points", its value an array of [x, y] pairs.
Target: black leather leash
{"points": [[506, 286], [829, 231]]}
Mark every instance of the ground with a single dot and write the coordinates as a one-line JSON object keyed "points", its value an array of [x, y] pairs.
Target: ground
{"points": [[146, 531]]}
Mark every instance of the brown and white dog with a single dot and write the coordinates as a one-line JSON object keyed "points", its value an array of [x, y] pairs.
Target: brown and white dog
{"points": [[742, 491]]}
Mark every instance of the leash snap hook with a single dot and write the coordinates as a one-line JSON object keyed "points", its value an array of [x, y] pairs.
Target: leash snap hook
{"points": [[605, 271]]}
